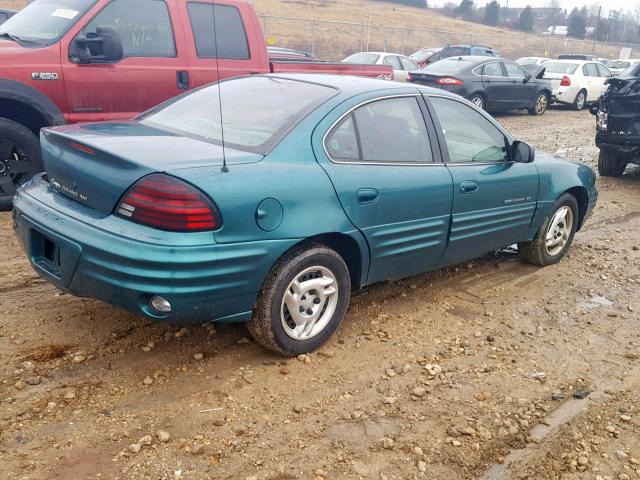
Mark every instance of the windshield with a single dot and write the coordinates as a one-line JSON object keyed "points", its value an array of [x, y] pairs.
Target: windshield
{"points": [[368, 58], [45, 21], [619, 64], [560, 67], [257, 111], [454, 52], [447, 65]]}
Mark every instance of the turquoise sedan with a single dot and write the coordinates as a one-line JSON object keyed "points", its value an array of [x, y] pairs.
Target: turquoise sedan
{"points": [[306, 188]]}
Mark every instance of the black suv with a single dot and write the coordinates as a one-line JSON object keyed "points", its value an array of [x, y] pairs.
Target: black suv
{"points": [[464, 50], [618, 123]]}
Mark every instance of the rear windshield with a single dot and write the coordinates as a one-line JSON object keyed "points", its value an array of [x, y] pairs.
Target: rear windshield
{"points": [[454, 51], [43, 22], [619, 64], [560, 67], [447, 65], [256, 111], [367, 58]]}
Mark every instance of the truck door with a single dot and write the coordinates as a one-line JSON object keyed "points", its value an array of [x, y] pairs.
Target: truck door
{"points": [[229, 45], [151, 71]]}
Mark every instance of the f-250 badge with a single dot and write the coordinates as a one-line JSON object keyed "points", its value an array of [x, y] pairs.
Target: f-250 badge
{"points": [[45, 76]]}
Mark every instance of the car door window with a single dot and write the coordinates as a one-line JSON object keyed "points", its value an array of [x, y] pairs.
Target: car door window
{"points": [[492, 69], [408, 65], [514, 71], [393, 61], [228, 36], [590, 70], [469, 136], [384, 131], [144, 27], [603, 71]]}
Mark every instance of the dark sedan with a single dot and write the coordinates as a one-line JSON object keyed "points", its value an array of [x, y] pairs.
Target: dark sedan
{"points": [[491, 84]]}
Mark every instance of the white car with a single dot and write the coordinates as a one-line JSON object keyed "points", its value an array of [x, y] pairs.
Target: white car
{"points": [[576, 82], [401, 64], [619, 66], [532, 60]]}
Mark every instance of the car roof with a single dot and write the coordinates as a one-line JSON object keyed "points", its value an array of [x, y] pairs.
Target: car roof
{"points": [[352, 85], [475, 58], [571, 61]]}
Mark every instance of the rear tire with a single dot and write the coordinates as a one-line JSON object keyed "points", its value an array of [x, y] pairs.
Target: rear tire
{"points": [[580, 101], [540, 104], [554, 236], [610, 164], [20, 159], [302, 302], [478, 100]]}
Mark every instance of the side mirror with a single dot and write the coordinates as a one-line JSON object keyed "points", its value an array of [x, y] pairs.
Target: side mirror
{"points": [[103, 46], [522, 152]]}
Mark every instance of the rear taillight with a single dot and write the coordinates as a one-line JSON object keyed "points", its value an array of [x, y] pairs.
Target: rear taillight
{"points": [[565, 82], [409, 77], [448, 81], [164, 202]]}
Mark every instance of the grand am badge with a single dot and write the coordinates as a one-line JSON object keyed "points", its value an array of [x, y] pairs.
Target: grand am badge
{"points": [[45, 76]]}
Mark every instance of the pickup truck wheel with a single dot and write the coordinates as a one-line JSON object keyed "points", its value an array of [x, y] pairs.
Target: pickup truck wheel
{"points": [[554, 236], [580, 101], [302, 302], [610, 164], [20, 159], [540, 105]]}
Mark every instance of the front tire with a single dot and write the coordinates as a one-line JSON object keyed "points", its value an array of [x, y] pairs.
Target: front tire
{"points": [[540, 105], [302, 301], [554, 236], [610, 164], [20, 159], [580, 101]]}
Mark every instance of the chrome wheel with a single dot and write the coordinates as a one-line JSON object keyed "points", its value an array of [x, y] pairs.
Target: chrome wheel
{"points": [[580, 101], [541, 104], [309, 303], [478, 102], [559, 231]]}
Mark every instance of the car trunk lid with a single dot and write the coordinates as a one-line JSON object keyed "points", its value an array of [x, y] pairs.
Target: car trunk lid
{"points": [[95, 164]]}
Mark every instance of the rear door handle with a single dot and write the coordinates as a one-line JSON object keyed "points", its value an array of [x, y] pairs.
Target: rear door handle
{"points": [[182, 78], [469, 187], [367, 195]]}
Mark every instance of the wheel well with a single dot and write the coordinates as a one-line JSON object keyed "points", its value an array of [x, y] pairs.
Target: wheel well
{"points": [[23, 113], [348, 249], [582, 197]]}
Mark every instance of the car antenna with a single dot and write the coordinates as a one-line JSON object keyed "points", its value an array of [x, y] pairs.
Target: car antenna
{"points": [[224, 168]]}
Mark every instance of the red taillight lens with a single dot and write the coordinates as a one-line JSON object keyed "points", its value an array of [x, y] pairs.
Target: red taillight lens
{"points": [[448, 81], [164, 202], [565, 82]]}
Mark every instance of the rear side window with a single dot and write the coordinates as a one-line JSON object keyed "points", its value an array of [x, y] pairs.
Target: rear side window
{"points": [[144, 27], [590, 70], [384, 131], [470, 137], [408, 64], [603, 71], [228, 35], [513, 71], [492, 69], [393, 61]]}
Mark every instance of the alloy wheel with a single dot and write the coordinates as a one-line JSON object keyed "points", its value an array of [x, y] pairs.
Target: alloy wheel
{"points": [[559, 231], [478, 102], [309, 303], [580, 101], [541, 104]]}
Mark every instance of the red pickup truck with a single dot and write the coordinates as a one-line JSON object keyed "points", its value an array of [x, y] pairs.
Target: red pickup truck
{"points": [[67, 61]]}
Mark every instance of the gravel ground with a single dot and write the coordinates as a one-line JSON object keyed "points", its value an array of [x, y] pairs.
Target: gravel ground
{"points": [[467, 372]]}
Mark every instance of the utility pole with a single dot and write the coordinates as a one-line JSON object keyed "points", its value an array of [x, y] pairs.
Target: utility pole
{"points": [[595, 32]]}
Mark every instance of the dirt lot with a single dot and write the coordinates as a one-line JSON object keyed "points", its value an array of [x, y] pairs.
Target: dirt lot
{"points": [[463, 373]]}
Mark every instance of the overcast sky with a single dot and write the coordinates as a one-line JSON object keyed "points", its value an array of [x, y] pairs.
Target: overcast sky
{"points": [[568, 4]]}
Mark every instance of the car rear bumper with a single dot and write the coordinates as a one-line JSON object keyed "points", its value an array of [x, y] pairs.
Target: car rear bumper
{"points": [[565, 94], [124, 264]]}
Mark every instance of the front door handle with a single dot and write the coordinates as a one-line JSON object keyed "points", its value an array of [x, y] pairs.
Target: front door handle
{"points": [[367, 195], [182, 78], [469, 187]]}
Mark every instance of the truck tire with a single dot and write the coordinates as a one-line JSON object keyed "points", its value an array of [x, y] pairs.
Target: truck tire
{"points": [[20, 159], [302, 302], [610, 164]]}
